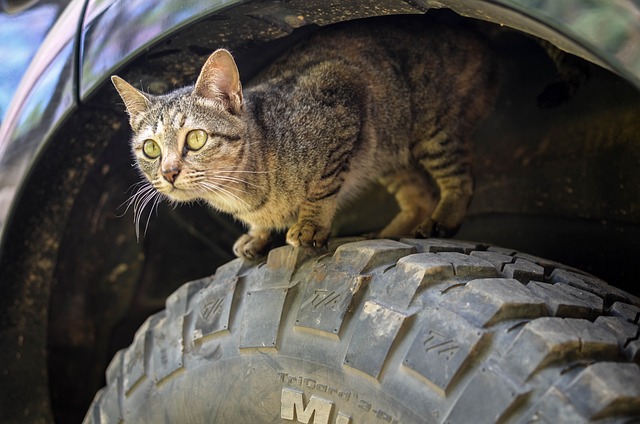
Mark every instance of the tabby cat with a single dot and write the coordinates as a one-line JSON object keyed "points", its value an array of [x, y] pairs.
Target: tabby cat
{"points": [[394, 101]]}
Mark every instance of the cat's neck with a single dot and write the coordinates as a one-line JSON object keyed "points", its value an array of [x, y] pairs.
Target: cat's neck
{"points": [[247, 185]]}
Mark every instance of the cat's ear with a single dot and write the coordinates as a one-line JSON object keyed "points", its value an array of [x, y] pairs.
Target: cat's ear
{"points": [[136, 101], [220, 80]]}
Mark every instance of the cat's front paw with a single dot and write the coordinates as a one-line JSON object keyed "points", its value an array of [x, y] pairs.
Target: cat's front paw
{"points": [[308, 234], [250, 247]]}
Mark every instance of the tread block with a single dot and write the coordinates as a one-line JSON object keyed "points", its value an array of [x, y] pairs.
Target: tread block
{"points": [[545, 263], [167, 350], [567, 301], [435, 245], [498, 260], [260, 328], [490, 393], [230, 269], [413, 271], [627, 334], [135, 357], [168, 332], [488, 301], [544, 341], [552, 408], [325, 304], [606, 389], [363, 256], [444, 346], [93, 416], [178, 301], [109, 408], [210, 309], [465, 265], [576, 280], [334, 243], [632, 350], [376, 326], [281, 264], [114, 369], [523, 270], [510, 267], [629, 312], [591, 284], [615, 293], [503, 250]]}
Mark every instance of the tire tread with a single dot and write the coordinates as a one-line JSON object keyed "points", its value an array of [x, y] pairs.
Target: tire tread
{"points": [[521, 336]]}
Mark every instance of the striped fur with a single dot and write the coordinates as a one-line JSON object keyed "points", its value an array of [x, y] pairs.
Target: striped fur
{"points": [[393, 100]]}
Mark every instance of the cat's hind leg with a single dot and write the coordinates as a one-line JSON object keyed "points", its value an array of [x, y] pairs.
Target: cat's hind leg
{"points": [[416, 197], [447, 160]]}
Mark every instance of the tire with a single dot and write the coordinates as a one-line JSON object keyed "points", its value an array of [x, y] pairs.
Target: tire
{"points": [[382, 331]]}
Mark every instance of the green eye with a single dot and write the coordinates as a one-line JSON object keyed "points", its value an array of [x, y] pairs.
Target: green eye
{"points": [[196, 139], [151, 149]]}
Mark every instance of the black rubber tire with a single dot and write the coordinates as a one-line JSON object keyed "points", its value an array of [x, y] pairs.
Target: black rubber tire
{"points": [[382, 331]]}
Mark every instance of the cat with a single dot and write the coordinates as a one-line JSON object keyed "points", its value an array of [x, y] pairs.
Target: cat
{"points": [[393, 100], [572, 73]]}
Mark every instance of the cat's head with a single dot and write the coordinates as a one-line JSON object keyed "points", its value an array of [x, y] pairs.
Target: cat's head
{"points": [[188, 143]]}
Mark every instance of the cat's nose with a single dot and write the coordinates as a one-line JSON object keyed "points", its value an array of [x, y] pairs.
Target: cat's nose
{"points": [[170, 174]]}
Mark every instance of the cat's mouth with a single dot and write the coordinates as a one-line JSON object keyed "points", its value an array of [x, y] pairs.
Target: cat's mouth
{"points": [[179, 194]]}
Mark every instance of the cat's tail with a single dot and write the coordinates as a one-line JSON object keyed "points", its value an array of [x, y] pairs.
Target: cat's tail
{"points": [[572, 72]]}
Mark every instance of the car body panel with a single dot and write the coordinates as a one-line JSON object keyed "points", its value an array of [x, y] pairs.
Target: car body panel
{"points": [[117, 31], [605, 32], [21, 34], [608, 29], [44, 97]]}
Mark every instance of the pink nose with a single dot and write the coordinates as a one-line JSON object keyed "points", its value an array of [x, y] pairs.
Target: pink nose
{"points": [[170, 174]]}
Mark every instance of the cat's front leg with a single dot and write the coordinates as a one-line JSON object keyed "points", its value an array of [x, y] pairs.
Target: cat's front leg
{"points": [[253, 244], [314, 223]]}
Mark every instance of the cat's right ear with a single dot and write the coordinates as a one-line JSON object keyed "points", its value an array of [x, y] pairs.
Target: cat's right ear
{"points": [[136, 101], [220, 80]]}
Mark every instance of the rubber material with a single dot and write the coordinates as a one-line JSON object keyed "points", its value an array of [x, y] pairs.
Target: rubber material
{"points": [[382, 331]]}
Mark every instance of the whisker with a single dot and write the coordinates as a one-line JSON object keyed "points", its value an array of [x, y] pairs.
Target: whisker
{"points": [[233, 179], [156, 202], [220, 183], [210, 188], [139, 207], [145, 188], [221, 189], [242, 172], [136, 185]]}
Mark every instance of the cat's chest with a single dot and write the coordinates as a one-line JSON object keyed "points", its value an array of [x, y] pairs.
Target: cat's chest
{"points": [[275, 213]]}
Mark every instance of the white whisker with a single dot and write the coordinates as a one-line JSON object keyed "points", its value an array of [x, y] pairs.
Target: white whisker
{"points": [[219, 189], [242, 172], [213, 189], [145, 195], [155, 204], [233, 179], [144, 189]]}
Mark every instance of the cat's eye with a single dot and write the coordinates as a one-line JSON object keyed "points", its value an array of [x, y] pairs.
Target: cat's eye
{"points": [[151, 149], [196, 139]]}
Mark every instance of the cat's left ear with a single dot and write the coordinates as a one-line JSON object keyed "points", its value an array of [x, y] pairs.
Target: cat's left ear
{"points": [[220, 80], [136, 101]]}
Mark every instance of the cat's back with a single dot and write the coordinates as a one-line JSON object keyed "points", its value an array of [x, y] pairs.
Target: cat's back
{"points": [[403, 56]]}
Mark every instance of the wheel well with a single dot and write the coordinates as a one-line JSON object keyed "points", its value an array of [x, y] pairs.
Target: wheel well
{"points": [[77, 254]]}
